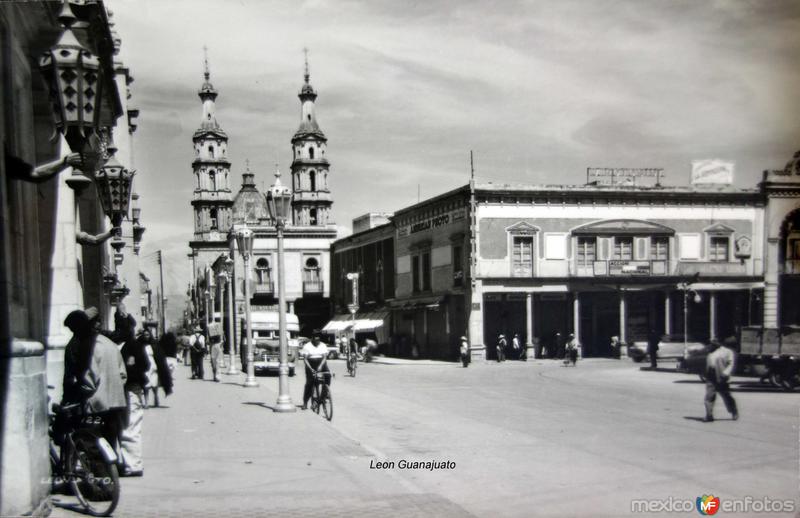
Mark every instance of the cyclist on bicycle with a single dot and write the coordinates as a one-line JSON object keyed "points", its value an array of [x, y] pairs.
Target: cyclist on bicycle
{"points": [[315, 354]]}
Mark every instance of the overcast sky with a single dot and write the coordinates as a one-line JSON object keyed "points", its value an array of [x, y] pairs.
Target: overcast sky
{"points": [[539, 90]]}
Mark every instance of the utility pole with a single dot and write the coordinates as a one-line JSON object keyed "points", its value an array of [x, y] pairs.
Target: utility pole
{"points": [[162, 319]]}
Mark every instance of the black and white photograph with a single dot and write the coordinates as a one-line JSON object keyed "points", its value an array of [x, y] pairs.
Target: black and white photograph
{"points": [[479, 258]]}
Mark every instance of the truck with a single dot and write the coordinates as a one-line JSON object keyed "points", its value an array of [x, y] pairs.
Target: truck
{"points": [[266, 346], [778, 350], [770, 354]]}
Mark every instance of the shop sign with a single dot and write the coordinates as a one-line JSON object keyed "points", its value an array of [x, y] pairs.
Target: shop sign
{"points": [[492, 297], [553, 296], [743, 247], [622, 176], [712, 171], [629, 267], [431, 223]]}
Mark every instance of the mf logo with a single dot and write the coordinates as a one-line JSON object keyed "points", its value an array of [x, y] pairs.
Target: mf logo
{"points": [[707, 505]]}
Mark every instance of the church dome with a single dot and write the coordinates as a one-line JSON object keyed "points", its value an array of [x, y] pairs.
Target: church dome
{"points": [[249, 205]]}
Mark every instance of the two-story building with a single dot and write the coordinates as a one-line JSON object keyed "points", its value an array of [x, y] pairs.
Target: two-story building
{"points": [[603, 261]]}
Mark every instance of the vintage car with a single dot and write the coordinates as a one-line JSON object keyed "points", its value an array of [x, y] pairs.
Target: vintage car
{"points": [[670, 347], [266, 346]]}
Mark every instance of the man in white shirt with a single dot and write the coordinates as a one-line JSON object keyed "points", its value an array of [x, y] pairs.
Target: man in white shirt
{"points": [[315, 354]]}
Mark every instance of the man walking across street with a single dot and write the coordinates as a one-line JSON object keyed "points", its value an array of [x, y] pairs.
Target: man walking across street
{"points": [[719, 367]]}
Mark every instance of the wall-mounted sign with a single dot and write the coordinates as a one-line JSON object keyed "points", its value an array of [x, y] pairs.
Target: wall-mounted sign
{"points": [[629, 267], [743, 247], [712, 171], [624, 176], [440, 220]]}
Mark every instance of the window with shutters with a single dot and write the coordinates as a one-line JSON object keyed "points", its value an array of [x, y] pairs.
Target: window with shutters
{"points": [[659, 249], [522, 256], [587, 251], [415, 274], [623, 248], [718, 249]]}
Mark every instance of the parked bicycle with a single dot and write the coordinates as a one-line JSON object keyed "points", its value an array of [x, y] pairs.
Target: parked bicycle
{"points": [[82, 459], [321, 396]]}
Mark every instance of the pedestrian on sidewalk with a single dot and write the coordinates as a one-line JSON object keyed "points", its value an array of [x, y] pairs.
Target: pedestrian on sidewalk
{"points": [[719, 368], [197, 350], [502, 344], [169, 346], [136, 365], [652, 348], [464, 352], [215, 339], [571, 351]]}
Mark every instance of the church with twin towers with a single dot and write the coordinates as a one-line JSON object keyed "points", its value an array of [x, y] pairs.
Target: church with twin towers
{"points": [[218, 210]]}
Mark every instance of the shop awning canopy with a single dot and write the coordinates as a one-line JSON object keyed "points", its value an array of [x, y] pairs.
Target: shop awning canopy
{"points": [[422, 302], [365, 321]]}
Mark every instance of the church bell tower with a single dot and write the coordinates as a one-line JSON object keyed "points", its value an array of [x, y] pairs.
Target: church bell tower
{"points": [[312, 201]]}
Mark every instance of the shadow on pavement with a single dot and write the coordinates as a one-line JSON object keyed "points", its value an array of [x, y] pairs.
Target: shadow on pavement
{"points": [[658, 369], [259, 403]]}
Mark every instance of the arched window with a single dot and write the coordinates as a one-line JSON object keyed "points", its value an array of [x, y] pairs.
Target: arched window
{"points": [[312, 217], [311, 270], [262, 271], [311, 152], [213, 216], [312, 178], [211, 150], [212, 180]]}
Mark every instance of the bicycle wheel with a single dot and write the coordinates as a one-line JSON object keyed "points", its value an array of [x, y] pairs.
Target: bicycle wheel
{"points": [[327, 403], [315, 398], [94, 480]]}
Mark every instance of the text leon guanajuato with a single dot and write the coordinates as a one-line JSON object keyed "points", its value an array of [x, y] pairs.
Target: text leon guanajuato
{"points": [[429, 465]]}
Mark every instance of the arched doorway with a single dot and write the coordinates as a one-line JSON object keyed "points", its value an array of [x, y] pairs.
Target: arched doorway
{"points": [[789, 269]]}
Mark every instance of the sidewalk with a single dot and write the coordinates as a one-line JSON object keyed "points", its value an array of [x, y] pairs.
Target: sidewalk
{"points": [[218, 449]]}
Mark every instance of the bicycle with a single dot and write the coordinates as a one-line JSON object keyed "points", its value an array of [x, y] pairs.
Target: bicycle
{"points": [[321, 396], [352, 363], [81, 457]]}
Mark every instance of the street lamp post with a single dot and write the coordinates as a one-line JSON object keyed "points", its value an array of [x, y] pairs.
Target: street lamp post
{"points": [[244, 238], [279, 204], [353, 307], [687, 292], [228, 278]]}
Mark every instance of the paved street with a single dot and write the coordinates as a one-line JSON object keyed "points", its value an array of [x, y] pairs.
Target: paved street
{"points": [[533, 439]]}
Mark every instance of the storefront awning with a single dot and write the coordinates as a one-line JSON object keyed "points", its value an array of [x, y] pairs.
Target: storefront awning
{"points": [[721, 286], [364, 321], [421, 302]]}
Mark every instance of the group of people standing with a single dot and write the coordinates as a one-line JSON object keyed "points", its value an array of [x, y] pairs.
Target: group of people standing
{"points": [[557, 349], [113, 374], [197, 345]]}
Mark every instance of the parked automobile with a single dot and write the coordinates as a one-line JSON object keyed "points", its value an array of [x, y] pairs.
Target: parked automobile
{"points": [[670, 347], [266, 345]]}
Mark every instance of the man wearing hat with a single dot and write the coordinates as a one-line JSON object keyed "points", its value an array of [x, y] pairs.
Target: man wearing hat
{"points": [[464, 351], [94, 373], [197, 349], [719, 368], [501, 348]]}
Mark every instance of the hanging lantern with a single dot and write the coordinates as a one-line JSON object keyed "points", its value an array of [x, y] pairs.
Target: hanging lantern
{"points": [[138, 230], [244, 238], [113, 183], [279, 201], [72, 73]]}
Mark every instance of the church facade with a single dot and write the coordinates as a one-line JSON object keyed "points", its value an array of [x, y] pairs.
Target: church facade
{"points": [[218, 214]]}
